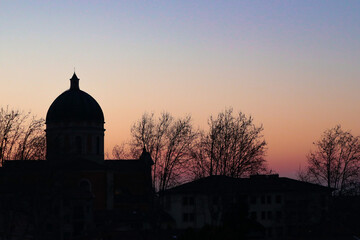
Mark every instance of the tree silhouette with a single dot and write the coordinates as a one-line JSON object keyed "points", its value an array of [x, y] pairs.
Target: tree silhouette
{"points": [[233, 146], [120, 152], [22, 136], [335, 162], [169, 142]]}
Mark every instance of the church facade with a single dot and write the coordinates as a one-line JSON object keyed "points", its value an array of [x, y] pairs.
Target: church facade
{"points": [[75, 193]]}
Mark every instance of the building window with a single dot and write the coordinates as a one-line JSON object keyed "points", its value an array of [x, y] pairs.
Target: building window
{"points": [[215, 200], [98, 145], [253, 216], [291, 230], [191, 217], [78, 212], [78, 144], [186, 200], [78, 228], [278, 199], [66, 144], [188, 217], [269, 215], [268, 199], [168, 202], [49, 227], [262, 199], [85, 185], [66, 203], [56, 209], [118, 191], [67, 235], [67, 218], [292, 215], [191, 201], [278, 215], [57, 144], [89, 144], [185, 217], [323, 200], [263, 215]]}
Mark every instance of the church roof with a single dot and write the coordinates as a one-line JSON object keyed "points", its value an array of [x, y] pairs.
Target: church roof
{"points": [[254, 184], [75, 105], [43, 165], [125, 165]]}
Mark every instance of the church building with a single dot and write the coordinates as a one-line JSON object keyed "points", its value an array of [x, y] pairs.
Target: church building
{"points": [[75, 193]]}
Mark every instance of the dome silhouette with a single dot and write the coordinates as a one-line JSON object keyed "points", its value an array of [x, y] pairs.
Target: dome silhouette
{"points": [[74, 105]]}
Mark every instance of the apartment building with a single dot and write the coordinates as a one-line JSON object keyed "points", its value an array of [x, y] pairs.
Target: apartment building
{"points": [[283, 206]]}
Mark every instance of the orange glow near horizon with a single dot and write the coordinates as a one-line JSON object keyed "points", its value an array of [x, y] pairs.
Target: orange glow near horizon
{"points": [[294, 66]]}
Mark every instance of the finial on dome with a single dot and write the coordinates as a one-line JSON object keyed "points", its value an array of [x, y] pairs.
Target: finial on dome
{"points": [[74, 82]]}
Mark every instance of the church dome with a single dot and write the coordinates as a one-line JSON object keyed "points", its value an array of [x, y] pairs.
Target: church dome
{"points": [[74, 105]]}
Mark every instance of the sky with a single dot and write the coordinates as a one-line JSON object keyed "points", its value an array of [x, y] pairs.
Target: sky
{"points": [[294, 66]]}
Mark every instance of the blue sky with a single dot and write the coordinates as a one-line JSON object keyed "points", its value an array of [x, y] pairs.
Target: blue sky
{"points": [[293, 65]]}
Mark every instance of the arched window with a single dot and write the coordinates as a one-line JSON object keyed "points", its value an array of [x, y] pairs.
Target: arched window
{"points": [[89, 144], [66, 144], [85, 185], [56, 146], [98, 145]]}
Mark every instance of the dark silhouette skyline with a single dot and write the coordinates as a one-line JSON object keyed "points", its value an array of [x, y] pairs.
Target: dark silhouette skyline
{"points": [[76, 194]]}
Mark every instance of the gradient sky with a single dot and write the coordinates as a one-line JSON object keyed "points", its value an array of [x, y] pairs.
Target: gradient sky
{"points": [[293, 65]]}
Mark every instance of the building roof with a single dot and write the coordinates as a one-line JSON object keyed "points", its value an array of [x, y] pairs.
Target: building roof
{"points": [[44, 165], [126, 165], [74, 105], [256, 183]]}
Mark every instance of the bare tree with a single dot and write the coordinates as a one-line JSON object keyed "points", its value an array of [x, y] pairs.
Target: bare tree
{"points": [[31, 145], [22, 137], [233, 146], [120, 152], [10, 130], [169, 142], [335, 162]]}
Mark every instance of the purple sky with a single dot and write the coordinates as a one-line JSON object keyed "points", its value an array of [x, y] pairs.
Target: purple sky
{"points": [[293, 65]]}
